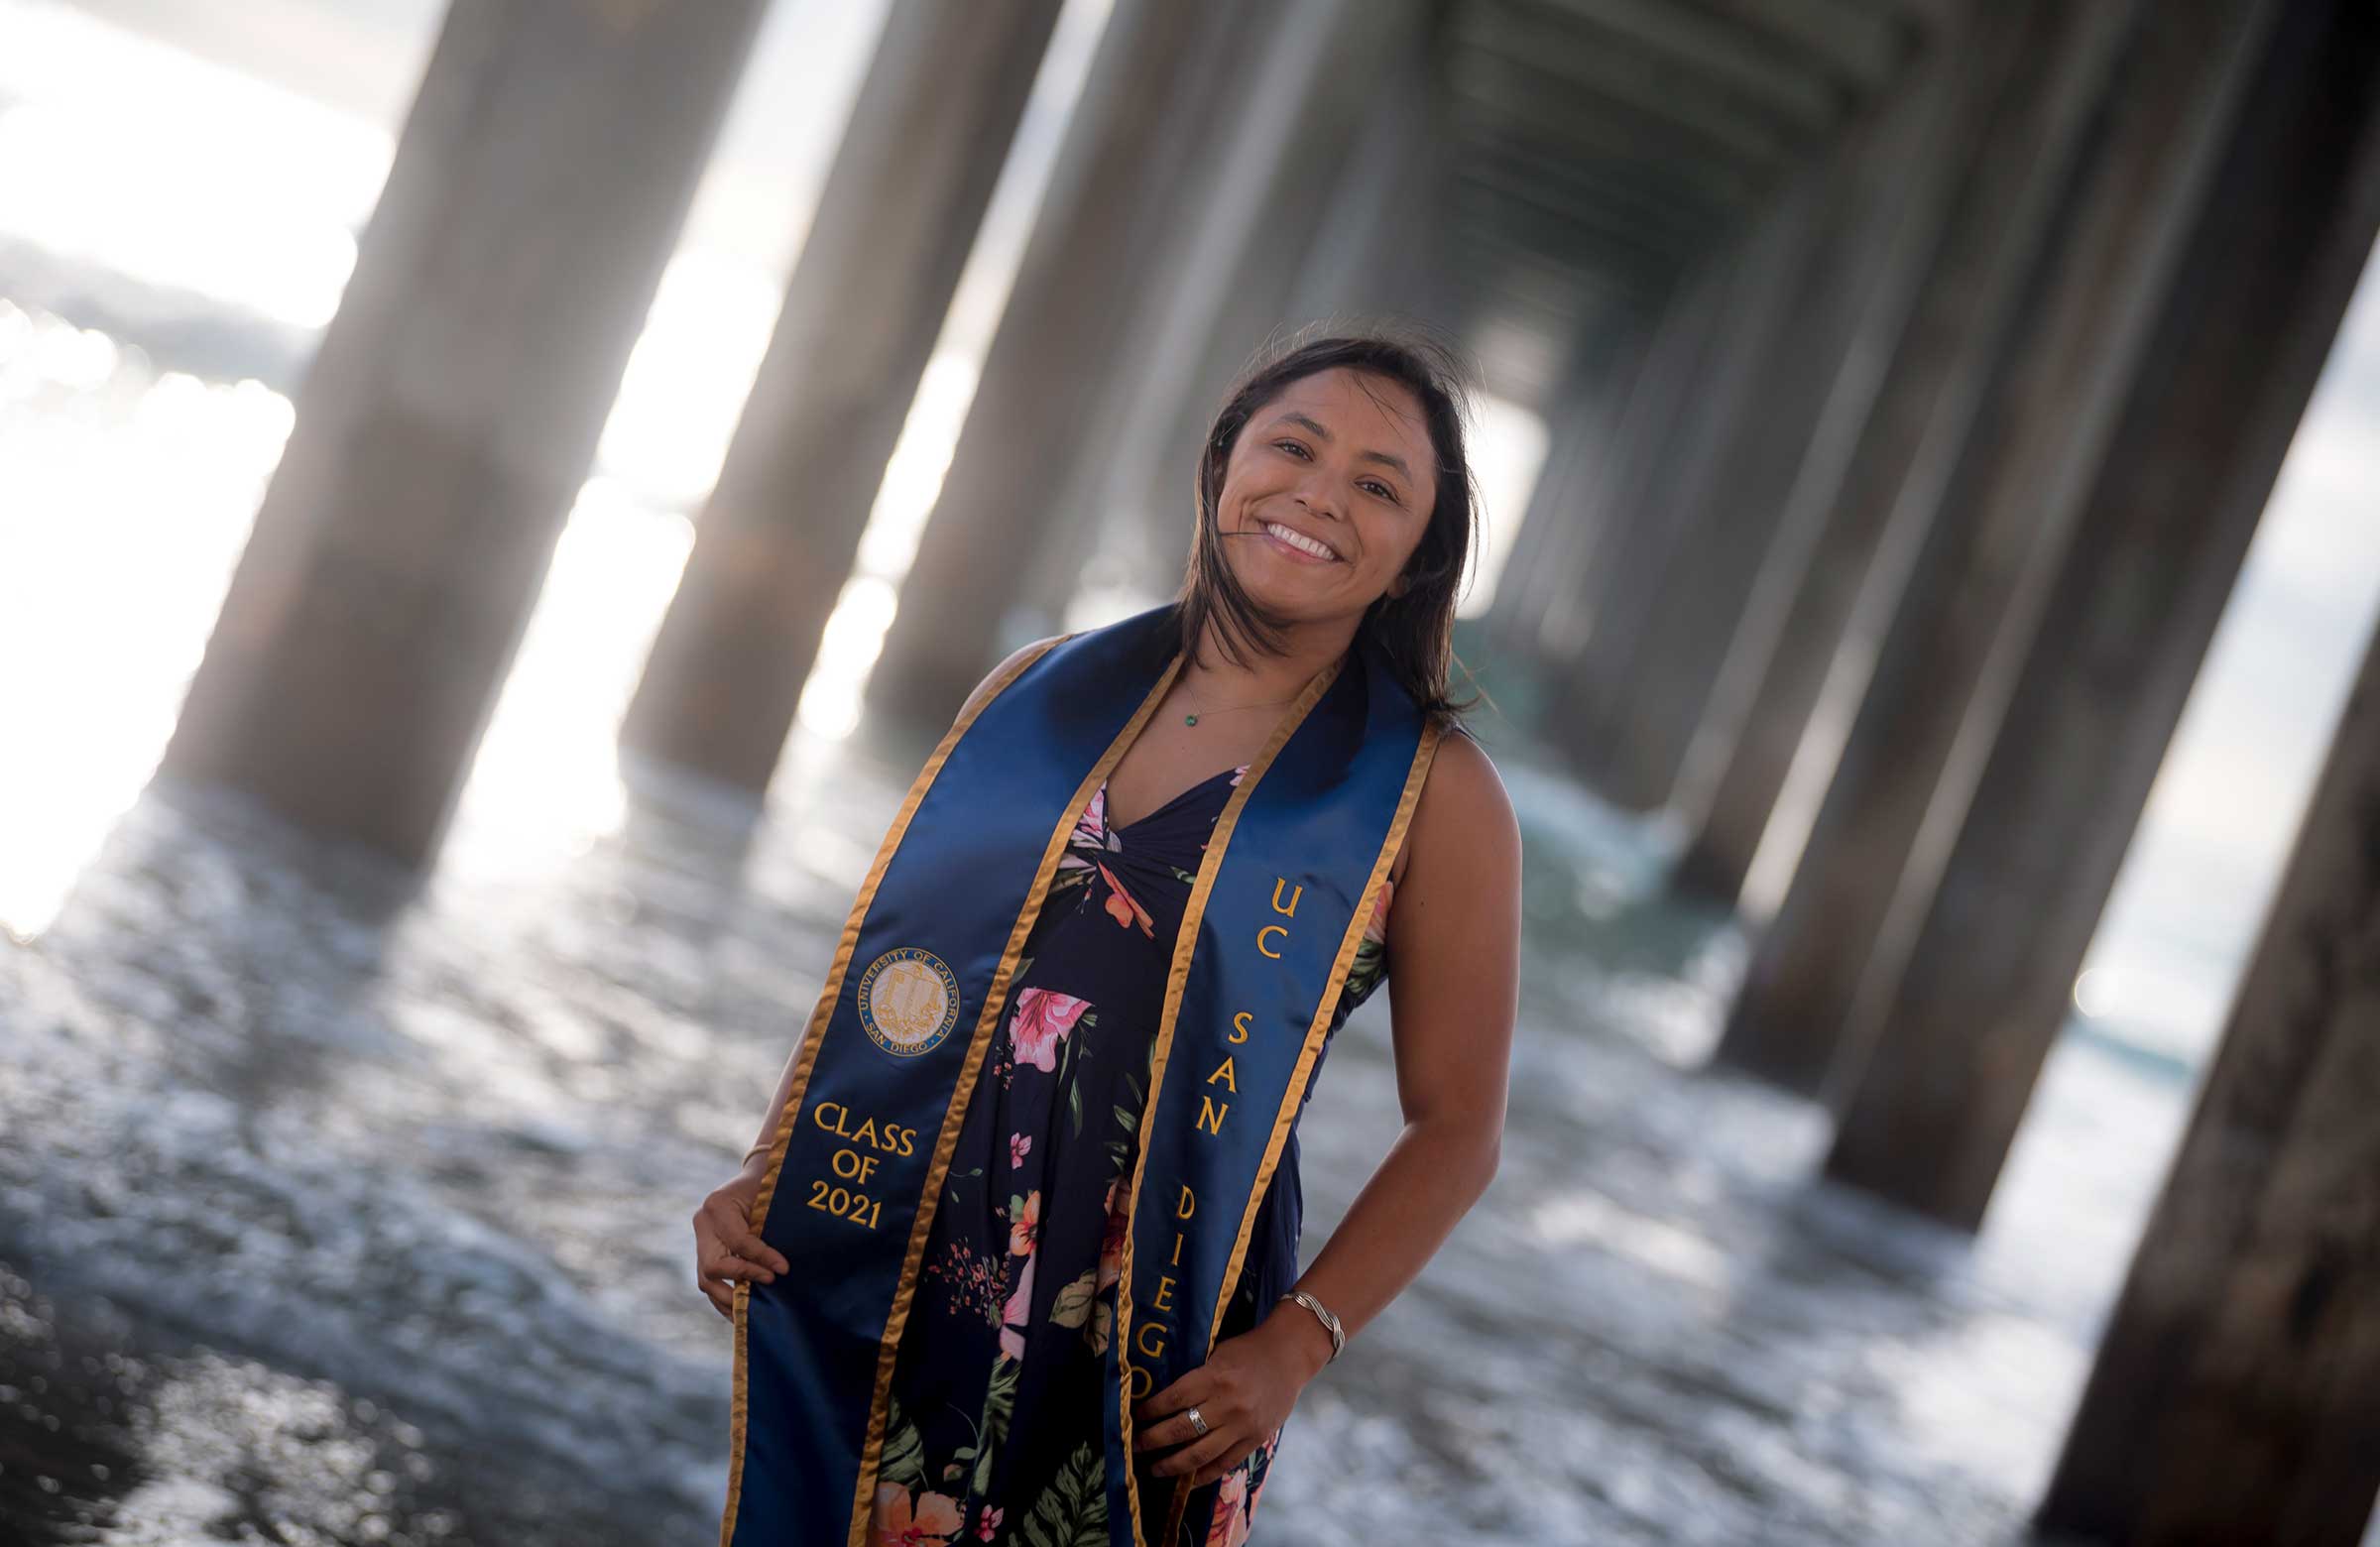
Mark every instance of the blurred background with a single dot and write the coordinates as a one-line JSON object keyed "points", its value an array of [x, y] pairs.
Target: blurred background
{"points": [[497, 499]]}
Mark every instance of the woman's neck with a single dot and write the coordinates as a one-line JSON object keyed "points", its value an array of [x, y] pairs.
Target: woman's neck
{"points": [[1212, 677]]}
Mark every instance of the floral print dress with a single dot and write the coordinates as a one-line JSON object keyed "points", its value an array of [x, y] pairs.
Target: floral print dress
{"points": [[994, 1433]]}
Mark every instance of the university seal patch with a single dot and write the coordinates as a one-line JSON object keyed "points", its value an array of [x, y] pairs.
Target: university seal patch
{"points": [[908, 1001]]}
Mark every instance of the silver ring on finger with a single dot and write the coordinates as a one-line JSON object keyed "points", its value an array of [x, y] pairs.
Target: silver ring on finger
{"points": [[1196, 1422]]}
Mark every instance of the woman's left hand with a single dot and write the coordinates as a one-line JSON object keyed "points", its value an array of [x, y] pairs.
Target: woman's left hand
{"points": [[1244, 1391]]}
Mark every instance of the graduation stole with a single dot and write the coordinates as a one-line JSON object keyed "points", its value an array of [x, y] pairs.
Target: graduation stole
{"points": [[1290, 876]]}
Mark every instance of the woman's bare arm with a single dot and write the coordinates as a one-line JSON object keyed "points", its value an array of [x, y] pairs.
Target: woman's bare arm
{"points": [[1454, 981]]}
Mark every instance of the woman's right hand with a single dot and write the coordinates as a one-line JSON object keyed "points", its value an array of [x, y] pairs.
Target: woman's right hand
{"points": [[727, 1248]]}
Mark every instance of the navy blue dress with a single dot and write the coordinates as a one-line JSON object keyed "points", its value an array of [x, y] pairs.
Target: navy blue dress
{"points": [[994, 1432]]}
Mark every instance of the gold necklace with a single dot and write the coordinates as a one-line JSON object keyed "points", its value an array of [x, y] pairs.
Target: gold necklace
{"points": [[1192, 717]]}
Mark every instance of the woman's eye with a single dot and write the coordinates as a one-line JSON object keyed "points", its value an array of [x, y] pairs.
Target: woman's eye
{"points": [[1291, 445], [1385, 492]]}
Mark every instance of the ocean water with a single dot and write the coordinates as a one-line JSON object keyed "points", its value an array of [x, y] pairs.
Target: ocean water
{"points": [[355, 1208]]}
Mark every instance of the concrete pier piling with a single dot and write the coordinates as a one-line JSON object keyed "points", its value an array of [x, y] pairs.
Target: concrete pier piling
{"points": [[1871, 190], [2237, 1390], [776, 540], [2031, 107], [1962, 1015], [1137, 160], [452, 409], [1972, 599]]}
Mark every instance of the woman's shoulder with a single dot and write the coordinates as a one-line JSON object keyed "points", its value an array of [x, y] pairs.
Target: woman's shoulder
{"points": [[1014, 663], [1462, 821]]}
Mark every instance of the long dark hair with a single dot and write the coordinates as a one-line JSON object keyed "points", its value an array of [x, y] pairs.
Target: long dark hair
{"points": [[1415, 631]]}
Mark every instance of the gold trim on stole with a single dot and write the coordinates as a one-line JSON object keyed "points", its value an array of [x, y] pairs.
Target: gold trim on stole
{"points": [[1286, 1117], [946, 1145], [1176, 983]]}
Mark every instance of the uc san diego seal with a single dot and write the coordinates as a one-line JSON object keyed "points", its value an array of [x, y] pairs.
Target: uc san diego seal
{"points": [[908, 1001]]}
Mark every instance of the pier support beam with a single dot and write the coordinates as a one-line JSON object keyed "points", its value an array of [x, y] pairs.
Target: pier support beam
{"points": [[1658, 512], [2238, 1389], [1382, 245], [2024, 139], [1626, 502], [1556, 554], [452, 409], [1667, 362], [1974, 589], [1558, 527], [1134, 158], [776, 540], [1875, 194], [1960, 1031]]}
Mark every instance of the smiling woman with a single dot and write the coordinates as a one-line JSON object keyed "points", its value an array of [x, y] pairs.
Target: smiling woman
{"points": [[1356, 443], [1264, 807]]}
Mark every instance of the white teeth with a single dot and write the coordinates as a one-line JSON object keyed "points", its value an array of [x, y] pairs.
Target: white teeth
{"points": [[1299, 541]]}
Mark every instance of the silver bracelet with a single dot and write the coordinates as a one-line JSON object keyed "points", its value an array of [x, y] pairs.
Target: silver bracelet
{"points": [[1329, 1322]]}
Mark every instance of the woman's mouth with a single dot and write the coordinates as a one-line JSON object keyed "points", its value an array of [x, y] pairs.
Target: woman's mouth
{"points": [[1298, 545]]}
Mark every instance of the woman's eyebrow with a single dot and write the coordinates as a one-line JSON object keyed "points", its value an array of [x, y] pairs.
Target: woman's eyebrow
{"points": [[1307, 424]]}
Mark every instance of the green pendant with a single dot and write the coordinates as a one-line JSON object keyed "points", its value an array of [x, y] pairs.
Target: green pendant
{"points": [[1190, 719]]}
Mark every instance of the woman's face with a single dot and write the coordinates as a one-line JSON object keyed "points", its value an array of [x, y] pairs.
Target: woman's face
{"points": [[1338, 461]]}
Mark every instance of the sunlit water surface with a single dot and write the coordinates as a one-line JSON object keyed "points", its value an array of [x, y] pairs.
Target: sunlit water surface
{"points": [[357, 1210]]}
